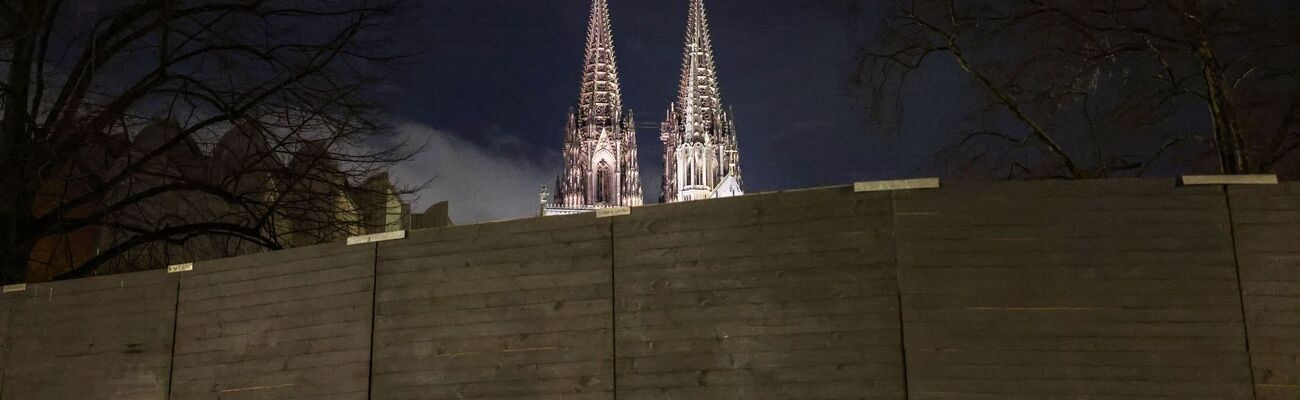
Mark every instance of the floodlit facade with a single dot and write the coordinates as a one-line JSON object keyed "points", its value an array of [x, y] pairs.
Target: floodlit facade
{"points": [[600, 166], [701, 155]]}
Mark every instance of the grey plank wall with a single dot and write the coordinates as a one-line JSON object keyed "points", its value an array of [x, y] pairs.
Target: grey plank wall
{"points": [[1045, 290], [99, 338], [289, 324], [513, 310], [6, 305], [1266, 220], [1067, 290], [769, 296]]}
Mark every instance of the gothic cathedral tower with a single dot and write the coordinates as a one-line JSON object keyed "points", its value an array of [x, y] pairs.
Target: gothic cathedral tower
{"points": [[600, 167], [701, 158]]}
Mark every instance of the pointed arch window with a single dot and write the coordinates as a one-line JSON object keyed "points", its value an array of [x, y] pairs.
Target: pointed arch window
{"points": [[604, 187], [690, 169]]}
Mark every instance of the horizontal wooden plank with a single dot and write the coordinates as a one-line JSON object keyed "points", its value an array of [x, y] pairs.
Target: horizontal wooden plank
{"points": [[784, 284], [492, 310], [1112, 289], [1063, 290], [1266, 220], [1192, 180], [60, 343], [294, 327]]}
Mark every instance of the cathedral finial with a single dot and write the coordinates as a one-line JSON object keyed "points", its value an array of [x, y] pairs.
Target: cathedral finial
{"points": [[543, 199]]}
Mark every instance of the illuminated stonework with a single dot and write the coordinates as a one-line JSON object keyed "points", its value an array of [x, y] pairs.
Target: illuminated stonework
{"points": [[701, 157], [600, 167]]}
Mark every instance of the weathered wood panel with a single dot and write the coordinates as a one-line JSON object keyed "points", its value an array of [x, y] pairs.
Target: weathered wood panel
{"points": [[1266, 221], [289, 324], [1067, 290], [98, 338], [507, 310], [7, 301], [770, 296], [1043, 290]]}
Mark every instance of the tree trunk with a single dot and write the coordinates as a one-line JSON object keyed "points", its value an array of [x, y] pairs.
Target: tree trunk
{"points": [[17, 186], [15, 244], [1227, 132], [1228, 138]]}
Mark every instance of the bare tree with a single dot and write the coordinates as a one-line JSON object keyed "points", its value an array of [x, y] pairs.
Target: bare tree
{"points": [[165, 126], [1105, 88]]}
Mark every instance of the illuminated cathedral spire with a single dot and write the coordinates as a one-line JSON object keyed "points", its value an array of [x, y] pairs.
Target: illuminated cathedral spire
{"points": [[600, 101], [701, 156], [600, 167]]}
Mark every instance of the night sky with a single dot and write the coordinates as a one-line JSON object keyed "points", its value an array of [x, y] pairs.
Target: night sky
{"points": [[491, 93]]}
